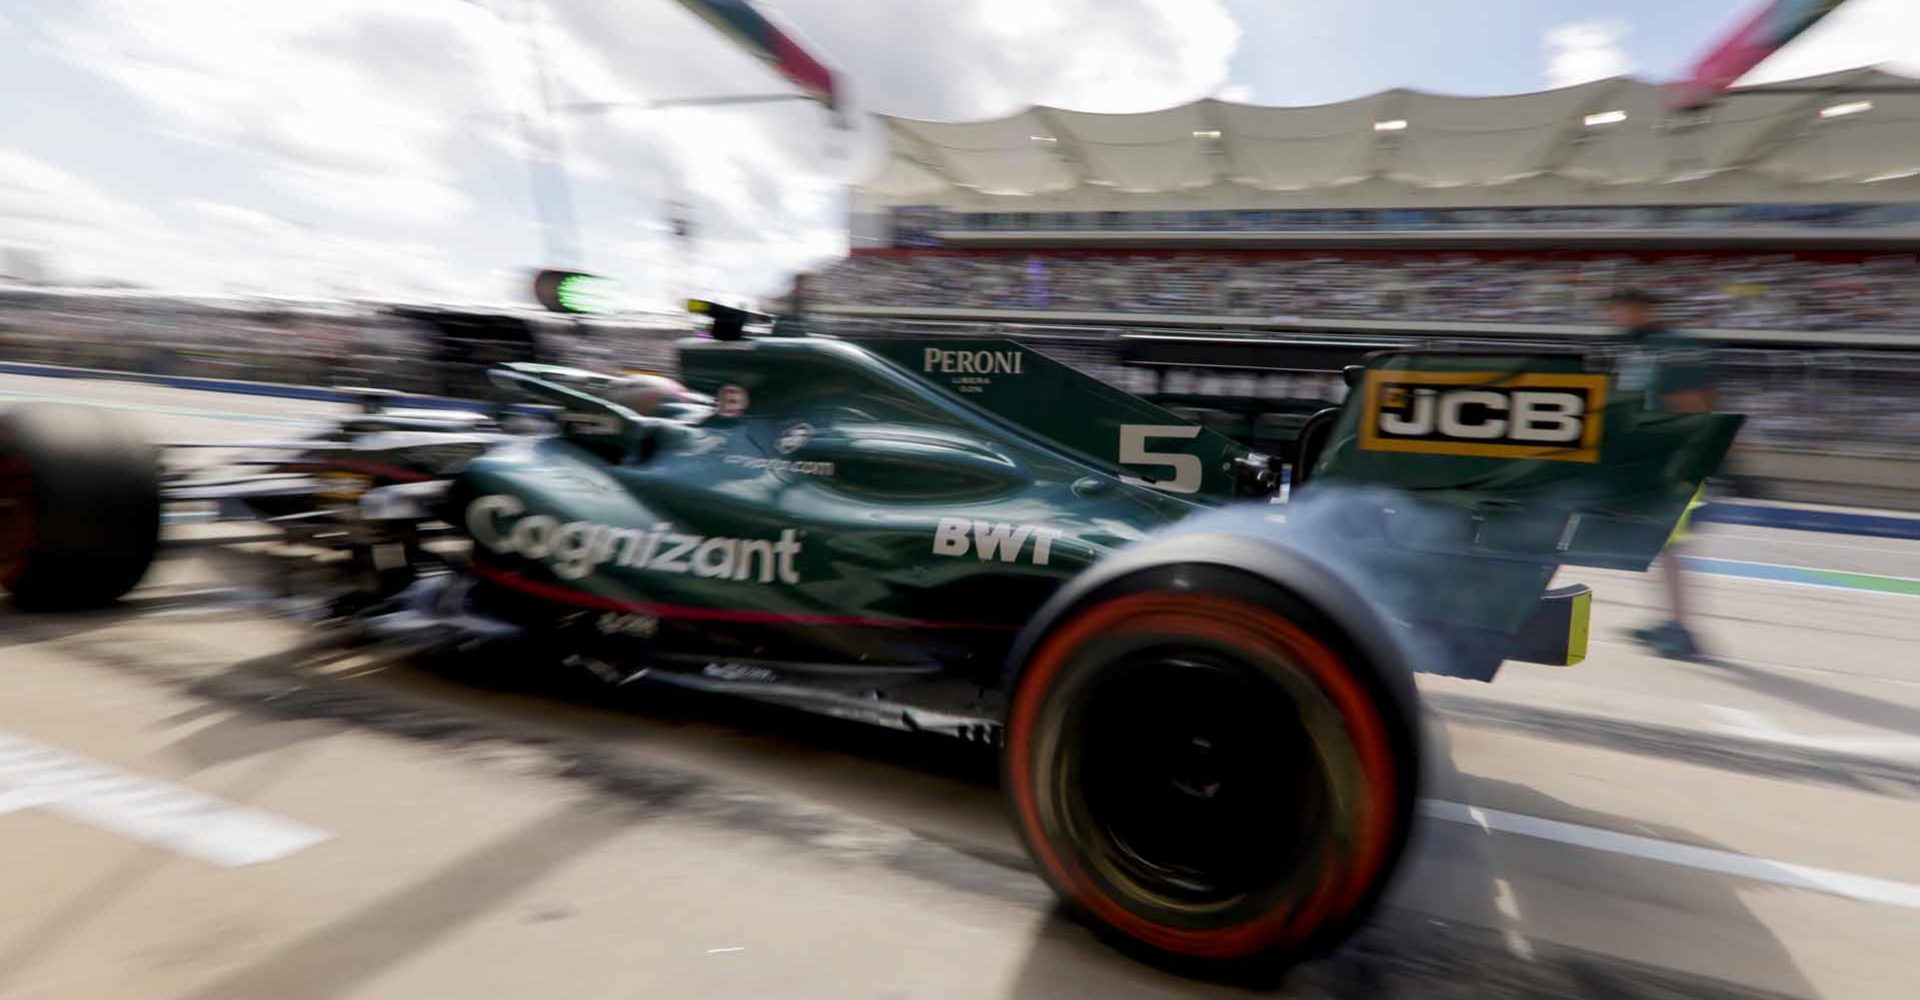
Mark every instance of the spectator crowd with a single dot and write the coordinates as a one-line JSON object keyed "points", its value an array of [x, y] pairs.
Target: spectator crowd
{"points": [[1812, 396], [921, 225], [306, 343], [1708, 291]]}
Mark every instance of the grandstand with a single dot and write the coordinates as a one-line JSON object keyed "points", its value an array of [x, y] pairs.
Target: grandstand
{"points": [[1144, 247], [1792, 207], [1737, 293], [1782, 222], [289, 340]]}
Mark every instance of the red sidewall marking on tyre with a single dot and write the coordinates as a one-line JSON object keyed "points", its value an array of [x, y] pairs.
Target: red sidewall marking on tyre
{"points": [[16, 520], [1239, 625]]}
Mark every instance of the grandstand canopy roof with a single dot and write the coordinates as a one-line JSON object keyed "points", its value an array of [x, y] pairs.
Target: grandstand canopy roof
{"points": [[1808, 139]]}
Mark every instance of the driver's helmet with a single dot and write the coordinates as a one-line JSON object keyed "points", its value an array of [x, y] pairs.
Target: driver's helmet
{"points": [[646, 394]]}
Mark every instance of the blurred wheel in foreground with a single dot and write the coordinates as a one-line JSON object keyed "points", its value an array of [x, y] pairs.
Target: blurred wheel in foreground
{"points": [[1209, 772], [79, 507]]}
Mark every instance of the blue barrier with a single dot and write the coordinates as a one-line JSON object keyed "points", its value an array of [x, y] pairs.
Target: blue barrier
{"points": [[1804, 519], [277, 390]]}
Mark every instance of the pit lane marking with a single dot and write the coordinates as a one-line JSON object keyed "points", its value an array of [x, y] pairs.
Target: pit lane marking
{"points": [[165, 410], [34, 775], [1751, 725], [1742, 536], [1609, 704], [1864, 888], [1805, 576]]}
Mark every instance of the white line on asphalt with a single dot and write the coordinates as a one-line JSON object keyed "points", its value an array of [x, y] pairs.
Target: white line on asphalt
{"points": [[1811, 569], [1860, 887], [1831, 589], [1750, 725], [1509, 907], [1615, 703], [1709, 578], [1771, 540], [1792, 668], [34, 775]]}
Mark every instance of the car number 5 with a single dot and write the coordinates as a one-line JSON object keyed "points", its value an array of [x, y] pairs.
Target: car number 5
{"points": [[1134, 441]]}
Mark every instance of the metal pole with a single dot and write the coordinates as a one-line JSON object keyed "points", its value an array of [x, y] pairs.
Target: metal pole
{"points": [[553, 201]]}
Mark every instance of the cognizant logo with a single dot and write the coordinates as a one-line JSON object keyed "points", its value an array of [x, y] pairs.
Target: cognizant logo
{"points": [[574, 549]]}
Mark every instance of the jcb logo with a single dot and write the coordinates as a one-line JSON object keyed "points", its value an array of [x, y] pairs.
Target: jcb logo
{"points": [[1486, 414]]}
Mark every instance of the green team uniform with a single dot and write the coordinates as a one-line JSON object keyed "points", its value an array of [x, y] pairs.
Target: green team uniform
{"points": [[1654, 362], [1657, 361]]}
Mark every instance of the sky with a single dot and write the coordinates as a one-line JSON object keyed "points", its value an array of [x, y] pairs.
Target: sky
{"points": [[374, 148]]}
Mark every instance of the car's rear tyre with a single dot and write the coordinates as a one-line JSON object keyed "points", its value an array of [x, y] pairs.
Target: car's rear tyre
{"points": [[1312, 443], [79, 507], [1208, 771]]}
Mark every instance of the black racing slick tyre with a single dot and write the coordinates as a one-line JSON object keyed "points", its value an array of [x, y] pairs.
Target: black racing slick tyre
{"points": [[1209, 772], [1312, 443], [79, 507]]}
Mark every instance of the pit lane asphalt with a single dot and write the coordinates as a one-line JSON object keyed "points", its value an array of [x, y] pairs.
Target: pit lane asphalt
{"points": [[542, 838]]}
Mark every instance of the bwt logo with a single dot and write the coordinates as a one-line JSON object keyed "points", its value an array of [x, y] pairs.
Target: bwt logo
{"points": [[972, 362], [990, 540], [1486, 414]]}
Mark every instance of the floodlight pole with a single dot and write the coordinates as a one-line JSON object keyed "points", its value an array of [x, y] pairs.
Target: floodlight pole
{"points": [[553, 201]]}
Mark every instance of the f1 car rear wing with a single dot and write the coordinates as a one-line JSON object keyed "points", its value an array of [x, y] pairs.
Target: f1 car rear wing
{"points": [[1537, 456], [1453, 485]]}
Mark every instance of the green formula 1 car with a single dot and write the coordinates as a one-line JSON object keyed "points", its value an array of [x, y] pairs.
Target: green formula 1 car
{"points": [[1196, 662]]}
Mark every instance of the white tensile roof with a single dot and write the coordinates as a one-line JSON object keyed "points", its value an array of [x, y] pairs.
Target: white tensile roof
{"points": [[1767, 137]]}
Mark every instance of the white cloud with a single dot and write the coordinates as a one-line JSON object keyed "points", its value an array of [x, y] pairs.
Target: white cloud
{"points": [[375, 145], [36, 195], [1585, 51], [349, 104], [1123, 56], [378, 118], [1238, 93], [81, 229], [975, 58], [1882, 33], [240, 247], [235, 220], [196, 245]]}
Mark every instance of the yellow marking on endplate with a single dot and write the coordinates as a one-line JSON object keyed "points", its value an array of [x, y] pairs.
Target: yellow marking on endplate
{"points": [[1577, 627]]}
